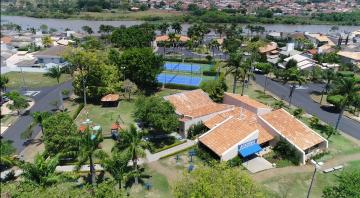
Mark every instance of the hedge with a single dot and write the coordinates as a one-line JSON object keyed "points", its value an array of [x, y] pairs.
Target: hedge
{"points": [[187, 60], [169, 146], [209, 73], [178, 86], [80, 107], [177, 152]]}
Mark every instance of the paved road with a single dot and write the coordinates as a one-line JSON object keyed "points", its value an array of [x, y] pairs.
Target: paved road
{"points": [[189, 54], [301, 98], [42, 103]]}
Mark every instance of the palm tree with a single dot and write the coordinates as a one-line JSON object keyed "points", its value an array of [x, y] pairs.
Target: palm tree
{"points": [[245, 73], [265, 69], [220, 29], [42, 172], [234, 65], [295, 77], [39, 117], [89, 146], [176, 26], [116, 165], [133, 145], [172, 38], [54, 72], [346, 89], [214, 44], [163, 28], [328, 76]]}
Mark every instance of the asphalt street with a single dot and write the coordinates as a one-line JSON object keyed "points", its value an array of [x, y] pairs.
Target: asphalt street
{"points": [[301, 98], [42, 103]]}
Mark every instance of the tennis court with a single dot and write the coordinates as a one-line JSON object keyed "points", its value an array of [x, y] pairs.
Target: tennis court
{"points": [[184, 67], [179, 79]]}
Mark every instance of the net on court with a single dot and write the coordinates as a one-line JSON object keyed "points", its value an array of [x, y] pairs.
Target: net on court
{"points": [[179, 79], [183, 67]]}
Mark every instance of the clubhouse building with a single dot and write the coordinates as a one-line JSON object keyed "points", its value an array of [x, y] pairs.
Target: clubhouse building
{"points": [[243, 126]]}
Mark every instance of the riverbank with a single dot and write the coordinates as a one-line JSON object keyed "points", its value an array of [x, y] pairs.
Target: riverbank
{"points": [[76, 24], [157, 15]]}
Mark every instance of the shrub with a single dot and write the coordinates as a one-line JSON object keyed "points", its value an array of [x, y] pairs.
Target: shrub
{"points": [[236, 161], [169, 146], [314, 121], [278, 104], [196, 129], [178, 86], [287, 151], [298, 112], [209, 73]]}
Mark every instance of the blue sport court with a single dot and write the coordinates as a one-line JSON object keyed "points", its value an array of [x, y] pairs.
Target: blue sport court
{"points": [[179, 79], [184, 67]]}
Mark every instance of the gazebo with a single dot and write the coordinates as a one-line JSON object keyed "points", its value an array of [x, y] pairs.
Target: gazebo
{"points": [[110, 100]]}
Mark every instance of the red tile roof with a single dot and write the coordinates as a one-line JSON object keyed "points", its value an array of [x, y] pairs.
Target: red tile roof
{"points": [[110, 98], [195, 103], [292, 129]]}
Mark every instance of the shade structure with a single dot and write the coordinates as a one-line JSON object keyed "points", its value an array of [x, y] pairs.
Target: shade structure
{"points": [[250, 150]]}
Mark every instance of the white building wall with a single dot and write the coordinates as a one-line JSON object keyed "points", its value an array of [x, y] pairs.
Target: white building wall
{"points": [[233, 151]]}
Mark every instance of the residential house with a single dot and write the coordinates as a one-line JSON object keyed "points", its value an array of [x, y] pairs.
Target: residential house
{"points": [[50, 56]]}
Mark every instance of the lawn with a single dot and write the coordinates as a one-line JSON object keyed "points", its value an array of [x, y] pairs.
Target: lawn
{"points": [[106, 116], [32, 80], [70, 107], [159, 186], [296, 185]]}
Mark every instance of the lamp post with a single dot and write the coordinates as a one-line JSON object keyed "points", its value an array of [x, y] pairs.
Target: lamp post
{"points": [[84, 88], [316, 167]]}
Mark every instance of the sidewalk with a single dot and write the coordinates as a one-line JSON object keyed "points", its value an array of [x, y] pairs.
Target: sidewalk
{"points": [[84, 168], [154, 157]]}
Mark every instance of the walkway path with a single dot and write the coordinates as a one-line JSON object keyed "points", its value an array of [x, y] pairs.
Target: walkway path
{"points": [[267, 174], [154, 157]]}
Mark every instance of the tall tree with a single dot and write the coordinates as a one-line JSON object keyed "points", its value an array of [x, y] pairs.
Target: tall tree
{"points": [[328, 76], [215, 88], [6, 152], [89, 147], [54, 72], [233, 66], [140, 65], [129, 87], [133, 146], [214, 44], [39, 118], [117, 166], [176, 26], [59, 134], [265, 68], [156, 112], [296, 78], [344, 92], [163, 28]]}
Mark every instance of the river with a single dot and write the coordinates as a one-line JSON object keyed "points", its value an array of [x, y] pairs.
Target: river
{"points": [[75, 24]]}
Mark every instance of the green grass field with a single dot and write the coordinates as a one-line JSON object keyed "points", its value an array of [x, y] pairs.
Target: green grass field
{"points": [[106, 116], [296, 185], [32, 80]]}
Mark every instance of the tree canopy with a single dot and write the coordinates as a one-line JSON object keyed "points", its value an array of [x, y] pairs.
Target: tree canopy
{"points": [[139, 65], [347, 185], [134, 36], [156, 112], [216, 181], [215, 88], [60, 133]]}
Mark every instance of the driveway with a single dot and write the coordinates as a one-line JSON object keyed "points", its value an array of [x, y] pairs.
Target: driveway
{"points": [[301, 98], [42, 103], [257, 164]]}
